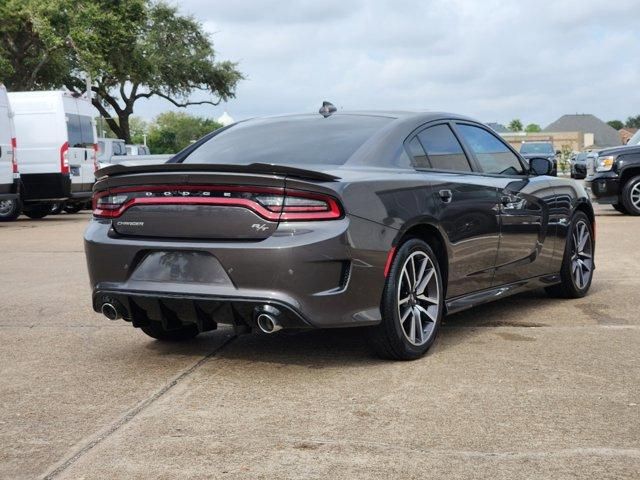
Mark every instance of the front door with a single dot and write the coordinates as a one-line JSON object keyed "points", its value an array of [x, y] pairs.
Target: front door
{"points": [[525, 247]]}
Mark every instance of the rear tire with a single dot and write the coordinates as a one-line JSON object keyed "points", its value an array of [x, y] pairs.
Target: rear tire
{"points": [[619, 207], [37, 211], [9, 210], [157, 331], [56, 208], [412, 304], [631, 196], [578, 262], [72, 207]]}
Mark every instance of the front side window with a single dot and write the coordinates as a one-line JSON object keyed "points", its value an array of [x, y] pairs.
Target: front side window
{"points": [[493, 156], [443, 149]]}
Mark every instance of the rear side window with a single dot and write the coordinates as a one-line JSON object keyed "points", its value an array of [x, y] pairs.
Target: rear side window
{"points": [[493, 156], [80, 131], [443, 149], [418, 154]]}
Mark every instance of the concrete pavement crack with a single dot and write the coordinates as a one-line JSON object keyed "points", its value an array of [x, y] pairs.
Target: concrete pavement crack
{"points": [[131, 414]]}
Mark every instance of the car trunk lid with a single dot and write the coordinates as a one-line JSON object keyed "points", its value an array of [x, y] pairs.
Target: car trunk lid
{"points": [[165, 201]]}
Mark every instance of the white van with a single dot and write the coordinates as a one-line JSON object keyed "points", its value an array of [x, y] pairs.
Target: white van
{"points": [[9, 177], [57, 148]]}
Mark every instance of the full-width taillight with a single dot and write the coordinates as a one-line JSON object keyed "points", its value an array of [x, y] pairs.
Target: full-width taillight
{"points": [[14, 159], [274, 204]]}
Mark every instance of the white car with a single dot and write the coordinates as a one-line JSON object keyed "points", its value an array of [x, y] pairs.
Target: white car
{"points": [[57, 149], [135, 150], [109, 148], [9, 177]]}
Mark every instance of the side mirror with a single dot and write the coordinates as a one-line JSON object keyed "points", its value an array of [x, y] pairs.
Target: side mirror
{"points": [[540, 166], [558, 152]]}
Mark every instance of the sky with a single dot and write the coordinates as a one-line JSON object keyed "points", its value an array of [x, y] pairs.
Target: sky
{"points": [[493, 60]]}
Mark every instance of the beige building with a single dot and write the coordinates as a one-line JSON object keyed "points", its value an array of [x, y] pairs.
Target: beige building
{"points": [[575, 141], [576, 133]]}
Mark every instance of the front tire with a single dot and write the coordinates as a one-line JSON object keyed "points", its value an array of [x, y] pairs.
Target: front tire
{"points": [[412, 304], [631, 196], [157, 331], [577, 264]]}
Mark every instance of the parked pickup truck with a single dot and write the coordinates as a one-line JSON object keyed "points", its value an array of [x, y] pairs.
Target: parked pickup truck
{"points": [[613, 177], [112, 151]]}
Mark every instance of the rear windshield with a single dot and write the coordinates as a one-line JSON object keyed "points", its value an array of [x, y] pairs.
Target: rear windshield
{"points": [[544, 148], [290, 140]]}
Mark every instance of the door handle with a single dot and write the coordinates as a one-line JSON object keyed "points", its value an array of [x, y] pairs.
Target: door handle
{"points": [[445, 195], [85, 155]]}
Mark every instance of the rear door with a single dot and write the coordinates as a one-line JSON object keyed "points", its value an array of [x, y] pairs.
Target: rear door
{"points": [[525, 244], [81, 139], [6, 142], [467, 206]]}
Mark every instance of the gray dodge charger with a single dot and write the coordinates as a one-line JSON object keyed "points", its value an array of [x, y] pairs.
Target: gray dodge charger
{"points": [[385, 220]]}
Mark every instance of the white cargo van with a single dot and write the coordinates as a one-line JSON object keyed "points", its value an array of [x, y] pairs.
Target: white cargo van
{"points": [[9, 177], [57, 149]]}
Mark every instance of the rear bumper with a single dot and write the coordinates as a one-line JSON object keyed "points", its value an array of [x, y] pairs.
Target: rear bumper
{"points": [[206, 311], [45, 186], [10, 191], [604, 187], [319, 274]]}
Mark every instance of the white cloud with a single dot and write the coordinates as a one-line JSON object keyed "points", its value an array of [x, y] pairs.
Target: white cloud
{"points": [[493, 60]]}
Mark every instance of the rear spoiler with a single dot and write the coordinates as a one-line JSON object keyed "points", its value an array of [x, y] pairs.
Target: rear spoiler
{"points": [[263, 168]]}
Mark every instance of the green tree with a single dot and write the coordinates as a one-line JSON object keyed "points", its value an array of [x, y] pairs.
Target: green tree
{"points": [[132, 49], [532, 128], [138, 126], [617, 124], [515, 125], [33, 47], [633, 122], [170, 132]]}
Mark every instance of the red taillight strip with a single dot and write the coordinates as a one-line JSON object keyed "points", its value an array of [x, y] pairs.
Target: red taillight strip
{"points": [[284, 213], [229, 202]]}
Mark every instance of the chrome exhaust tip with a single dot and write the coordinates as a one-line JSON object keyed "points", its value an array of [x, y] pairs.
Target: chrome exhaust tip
{"points": [[110, 311], [267, 323]]}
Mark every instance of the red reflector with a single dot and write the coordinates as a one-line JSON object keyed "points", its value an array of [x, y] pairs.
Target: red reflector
{"points": [[387, 266]]}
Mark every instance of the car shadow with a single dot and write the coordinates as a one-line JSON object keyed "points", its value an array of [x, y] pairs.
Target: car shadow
{"points": [[337, 347]]}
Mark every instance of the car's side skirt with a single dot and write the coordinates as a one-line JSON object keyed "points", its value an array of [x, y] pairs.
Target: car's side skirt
{"points": [[463, 302]]}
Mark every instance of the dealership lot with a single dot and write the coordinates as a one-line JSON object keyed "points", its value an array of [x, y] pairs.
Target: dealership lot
{"points": [[529, 387]]}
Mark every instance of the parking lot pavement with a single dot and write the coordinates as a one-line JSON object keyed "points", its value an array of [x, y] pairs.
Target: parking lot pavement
{"points": [[529, 387]]}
